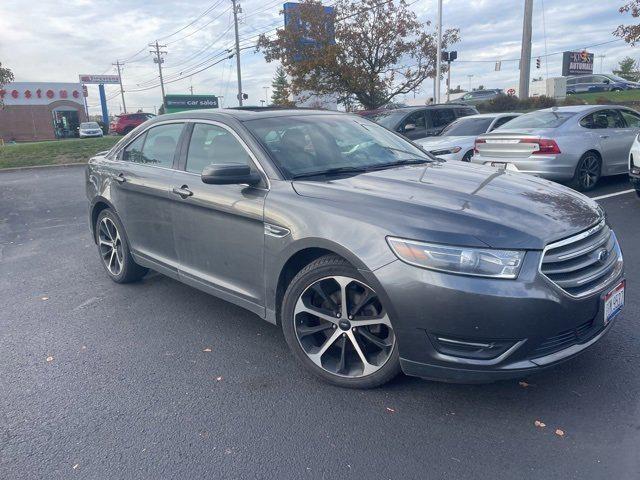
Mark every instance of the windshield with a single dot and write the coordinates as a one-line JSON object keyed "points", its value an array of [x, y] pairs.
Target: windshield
{"points": [[89, 125], [307, 145], [388, 119], [467, 127], [540, 119]]}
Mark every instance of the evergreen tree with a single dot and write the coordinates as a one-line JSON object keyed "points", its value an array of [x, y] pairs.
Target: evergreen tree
{"points": [[280, 86]]}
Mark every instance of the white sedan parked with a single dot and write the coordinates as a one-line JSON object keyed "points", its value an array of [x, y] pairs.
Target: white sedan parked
{"points": [[89, 129], [456, 140]]}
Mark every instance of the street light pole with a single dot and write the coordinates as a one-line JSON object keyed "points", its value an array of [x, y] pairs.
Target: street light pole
{"points": [[236, 9], [266, 95], [436, 97], [525, 55], [470, 77]]}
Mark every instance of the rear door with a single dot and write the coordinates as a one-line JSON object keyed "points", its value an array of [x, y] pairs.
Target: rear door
{"points": [[438, 118], [613, 133], [144, 193], [219, 229], [631, 120]]}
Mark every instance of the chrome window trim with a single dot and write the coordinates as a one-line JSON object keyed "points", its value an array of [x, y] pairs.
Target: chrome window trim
{"points": [[617, 269], [186, 121]]}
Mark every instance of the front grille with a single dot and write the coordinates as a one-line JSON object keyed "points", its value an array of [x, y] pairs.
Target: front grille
{"points": [[582, 333], [585, 263]]}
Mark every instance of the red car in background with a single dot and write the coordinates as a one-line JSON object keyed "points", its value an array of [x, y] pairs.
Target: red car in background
{"points": [[125, 122]]}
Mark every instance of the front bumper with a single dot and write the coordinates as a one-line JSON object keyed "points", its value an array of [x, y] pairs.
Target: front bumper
{"points": [[529, 314], [552, 167]]}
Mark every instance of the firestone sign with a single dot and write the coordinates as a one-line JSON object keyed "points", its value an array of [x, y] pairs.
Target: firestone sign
{"points": [[40, 93], [577, 63]]}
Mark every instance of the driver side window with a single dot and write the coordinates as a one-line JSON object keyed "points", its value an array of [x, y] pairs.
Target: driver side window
{"points": [[211, 144], [417, 119]]}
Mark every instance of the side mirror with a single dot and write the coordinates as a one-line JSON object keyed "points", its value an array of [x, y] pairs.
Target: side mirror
{"points": [[229, 174], [409, 126], [607, 81]]}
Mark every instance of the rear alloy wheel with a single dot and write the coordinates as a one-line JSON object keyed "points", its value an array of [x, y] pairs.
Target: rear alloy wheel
{"points": [[587, 172], [114, 249], [337, 326]]}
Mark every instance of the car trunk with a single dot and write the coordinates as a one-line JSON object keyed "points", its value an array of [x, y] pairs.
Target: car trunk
{"points": [[513, 144]]}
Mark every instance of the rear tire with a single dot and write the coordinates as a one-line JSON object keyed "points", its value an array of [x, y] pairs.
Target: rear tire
{"points": [[588, 172], [348, 343], [113, 248]]}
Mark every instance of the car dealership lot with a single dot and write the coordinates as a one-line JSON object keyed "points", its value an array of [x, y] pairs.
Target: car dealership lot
{"points": [[157, 379]]}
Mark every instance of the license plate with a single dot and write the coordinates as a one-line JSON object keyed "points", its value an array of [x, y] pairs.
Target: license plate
{"points": [[613, 302]]}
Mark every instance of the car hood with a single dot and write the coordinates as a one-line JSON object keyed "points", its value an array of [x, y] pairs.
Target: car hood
{"points": [[437, 143], [458, 203]]}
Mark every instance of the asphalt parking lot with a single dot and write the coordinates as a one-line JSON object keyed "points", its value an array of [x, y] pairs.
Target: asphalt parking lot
{"points": [[159, 380]]}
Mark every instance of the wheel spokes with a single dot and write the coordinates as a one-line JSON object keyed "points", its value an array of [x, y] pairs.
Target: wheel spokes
{"points": [[110, 246]]}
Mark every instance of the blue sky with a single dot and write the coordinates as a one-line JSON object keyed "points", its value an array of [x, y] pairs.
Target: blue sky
{"points": [[55, 41]]}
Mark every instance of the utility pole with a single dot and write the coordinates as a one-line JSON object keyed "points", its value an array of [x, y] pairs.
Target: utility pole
{"points": [[525, 54], [191, 89], [236, 10], [469, 77], [159, 60], [118, 65], [266, 95], [601, 57], [436, 96]]}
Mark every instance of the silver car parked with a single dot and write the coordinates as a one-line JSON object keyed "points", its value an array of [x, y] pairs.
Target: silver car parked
{"points": [[577, 144]]}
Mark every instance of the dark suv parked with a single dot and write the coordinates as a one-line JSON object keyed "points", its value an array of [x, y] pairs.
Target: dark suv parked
{"points": [[371, 255], [420, 122]]}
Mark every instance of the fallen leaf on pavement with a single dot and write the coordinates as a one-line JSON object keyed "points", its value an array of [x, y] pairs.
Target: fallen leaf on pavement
{"points": [[523, 384], [539, 424], [44, 298], [559, 432], [49, 359], [390, 410], [218, 379], [76, 466], [206, 350]]}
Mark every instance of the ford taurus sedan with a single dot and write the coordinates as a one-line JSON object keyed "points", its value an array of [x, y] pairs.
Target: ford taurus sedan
{"points": [[372, 256], [578, 144]]}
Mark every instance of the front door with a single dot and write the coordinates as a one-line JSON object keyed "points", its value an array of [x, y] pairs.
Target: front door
{"points": [[143, 193], [414, 126], [219, 229]]}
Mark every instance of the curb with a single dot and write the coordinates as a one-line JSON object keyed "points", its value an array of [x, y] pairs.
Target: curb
{"points": [[37, 167]]}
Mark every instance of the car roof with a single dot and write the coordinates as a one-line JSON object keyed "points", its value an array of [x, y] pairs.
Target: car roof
{"points": [[579, 108], [491, 115], [247, 113]]}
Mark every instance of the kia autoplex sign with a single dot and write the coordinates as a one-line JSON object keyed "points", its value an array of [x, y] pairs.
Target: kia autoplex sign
{"points": [[577, 63], [99, 79], [190, 102]]}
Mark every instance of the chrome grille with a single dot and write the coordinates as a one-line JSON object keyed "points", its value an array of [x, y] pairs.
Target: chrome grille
{"points": [[585, 263]]}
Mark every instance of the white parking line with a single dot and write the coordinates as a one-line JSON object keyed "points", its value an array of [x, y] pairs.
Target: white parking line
{"points": [[613, 194]]}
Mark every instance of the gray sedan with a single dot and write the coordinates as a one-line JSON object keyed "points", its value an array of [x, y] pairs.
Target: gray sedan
{"points": [[577, 144]]}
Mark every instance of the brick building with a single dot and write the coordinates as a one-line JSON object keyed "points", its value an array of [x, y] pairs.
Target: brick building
{"points": [[34, 111]]}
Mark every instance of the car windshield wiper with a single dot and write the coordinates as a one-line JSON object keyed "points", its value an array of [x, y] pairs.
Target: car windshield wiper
{"points": [[332, 171], [400, 163]]}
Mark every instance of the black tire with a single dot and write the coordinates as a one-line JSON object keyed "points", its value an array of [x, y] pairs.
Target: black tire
{"points": [[320, 270], [467, 156], [588, 172], [129, 270]]}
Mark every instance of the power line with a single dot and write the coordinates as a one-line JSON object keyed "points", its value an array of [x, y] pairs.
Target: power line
{"points": [[211, 7]]}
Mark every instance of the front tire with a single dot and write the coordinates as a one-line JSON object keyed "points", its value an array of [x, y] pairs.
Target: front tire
{"points": [[113, 248], [337, 327], [588, 172]]}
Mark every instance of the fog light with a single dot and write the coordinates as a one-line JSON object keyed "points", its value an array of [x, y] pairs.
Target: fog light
{"points": [[466, 348]]}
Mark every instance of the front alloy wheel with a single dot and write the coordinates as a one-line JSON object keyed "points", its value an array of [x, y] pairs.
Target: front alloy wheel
{"points": [[340, 330], [110, 244]]}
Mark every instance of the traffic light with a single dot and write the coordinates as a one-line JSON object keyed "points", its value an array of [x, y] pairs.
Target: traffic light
{"points": [[538, 62]]}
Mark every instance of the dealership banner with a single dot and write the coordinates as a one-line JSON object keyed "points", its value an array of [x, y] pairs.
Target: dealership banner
{"points": [[99, 79], [577, 63], [177, 103]]}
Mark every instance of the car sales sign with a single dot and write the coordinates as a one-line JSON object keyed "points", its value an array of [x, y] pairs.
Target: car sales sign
{"points": [[178, 103], [577, 63], [99, 79]]}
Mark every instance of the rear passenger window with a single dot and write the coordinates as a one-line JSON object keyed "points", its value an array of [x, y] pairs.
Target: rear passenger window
{"points": [[631, 118], [133, 151], [211, 144], [160, 145], [603, 119]]}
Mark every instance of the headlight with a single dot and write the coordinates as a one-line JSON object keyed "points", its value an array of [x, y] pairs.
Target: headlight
{"points": [[446, 151], [481, 262]]}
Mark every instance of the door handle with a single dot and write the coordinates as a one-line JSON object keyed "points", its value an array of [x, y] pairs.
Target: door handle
{"points": [[120, 178], [183, 191]]}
